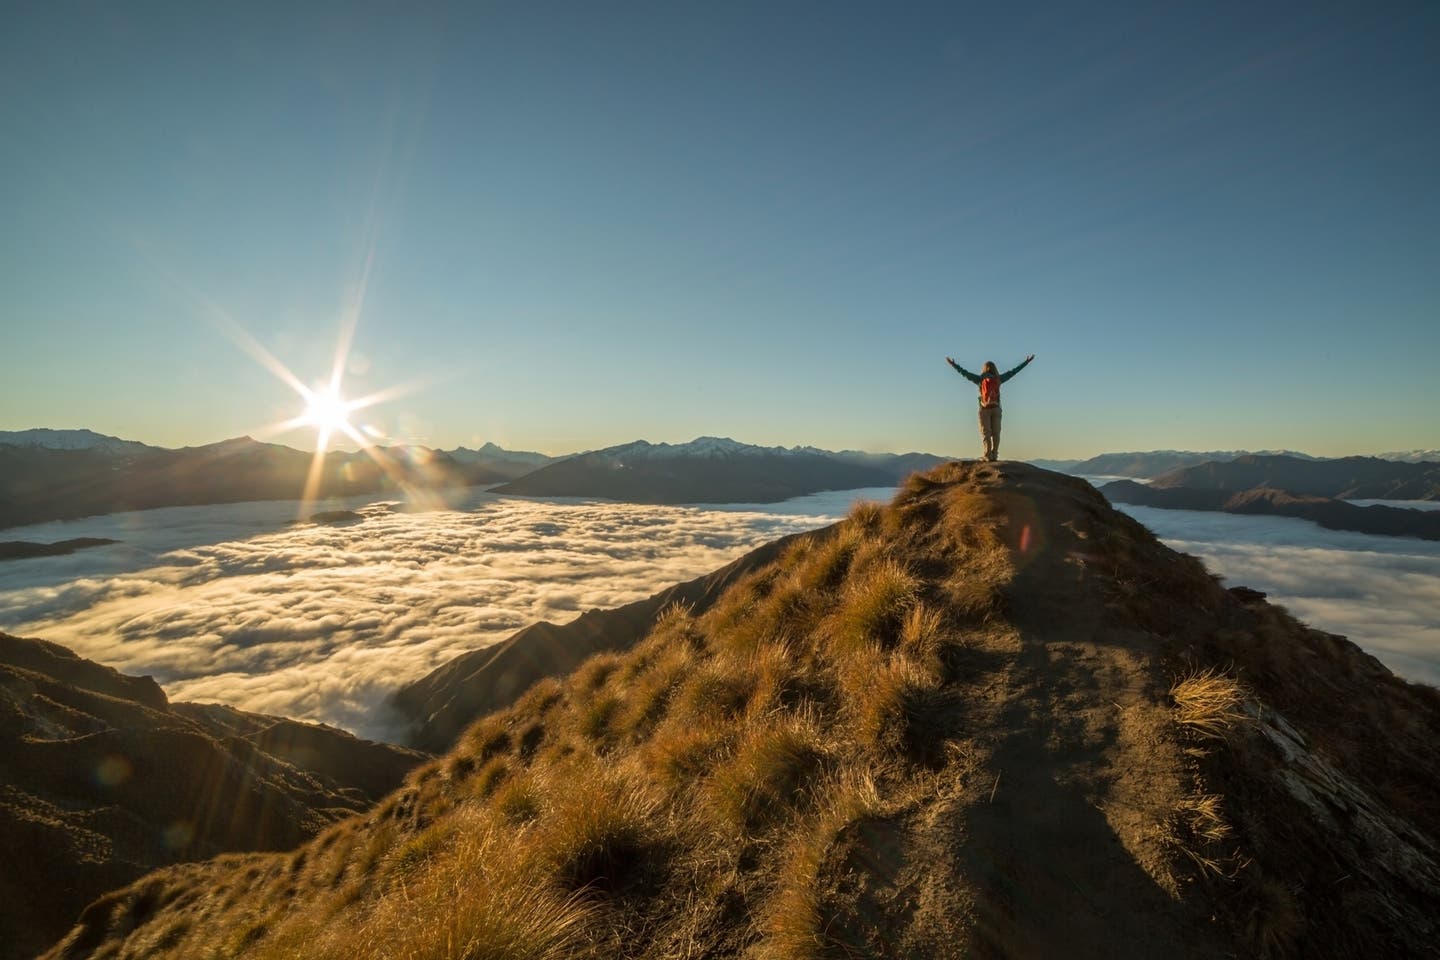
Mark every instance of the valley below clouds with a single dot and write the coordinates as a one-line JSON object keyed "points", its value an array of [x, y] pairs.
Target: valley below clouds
{"points": [[323, 622]]}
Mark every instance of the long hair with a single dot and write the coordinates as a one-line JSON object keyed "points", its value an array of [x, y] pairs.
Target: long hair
{"points": [[990, 367]]}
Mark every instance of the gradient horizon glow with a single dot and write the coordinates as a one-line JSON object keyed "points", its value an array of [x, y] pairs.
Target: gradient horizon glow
{"points": [[569, 225]]}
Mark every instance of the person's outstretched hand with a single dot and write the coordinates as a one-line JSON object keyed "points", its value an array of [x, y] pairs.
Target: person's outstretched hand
{"points": [[1029, 358], [948, 360]]}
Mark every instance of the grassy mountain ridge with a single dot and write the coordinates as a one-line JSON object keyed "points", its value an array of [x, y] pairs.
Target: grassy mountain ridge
{"points": [[995, 718]]}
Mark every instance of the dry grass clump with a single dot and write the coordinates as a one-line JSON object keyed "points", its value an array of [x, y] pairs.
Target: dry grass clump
{"points": [[680, 754], [1208, 702], [650, 692], [717, 690], [593, 673], [769, 774], [545, 694], [872, 606], [476, 902], [517, 800], [1197, 828], [898, 707], [595, 717], [923, 636], [970, 521], [868, 516], [827, 564], [601, 835], [489, 777], [484, 739], [793, 927]]}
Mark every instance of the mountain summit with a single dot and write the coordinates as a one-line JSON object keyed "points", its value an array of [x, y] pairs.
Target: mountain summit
{"points": [[995, 718]]}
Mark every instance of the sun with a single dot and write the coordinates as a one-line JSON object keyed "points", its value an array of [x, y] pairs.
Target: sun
{"points": [[327, 411]]}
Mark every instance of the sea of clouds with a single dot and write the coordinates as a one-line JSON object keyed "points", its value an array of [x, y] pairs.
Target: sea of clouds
{"points": [[1381, 592], [236, 604]]}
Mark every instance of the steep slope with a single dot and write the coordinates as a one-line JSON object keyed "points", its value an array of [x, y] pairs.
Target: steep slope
{"points": [[102, 779], [995, 719]]}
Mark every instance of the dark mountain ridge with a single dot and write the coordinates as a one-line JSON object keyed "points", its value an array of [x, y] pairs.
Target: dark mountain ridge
{"points": [[39, 484], [102, 779], [1328, 512], [1345, 478], [711, 470]]}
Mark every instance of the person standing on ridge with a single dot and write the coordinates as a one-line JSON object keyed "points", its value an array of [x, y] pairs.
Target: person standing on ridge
{"points": [[989, 380]]}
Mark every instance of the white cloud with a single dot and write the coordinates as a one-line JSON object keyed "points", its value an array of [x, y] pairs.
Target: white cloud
{"points": [[322, 622], [1381, 592]]}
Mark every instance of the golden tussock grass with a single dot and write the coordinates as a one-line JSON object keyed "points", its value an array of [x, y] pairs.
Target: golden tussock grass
{"points": [[649, 693], [474, 900], [872, 606], [793, 925], [680, 754], [769, 773], [923, 636], [868, 516], [592, 674], [517, 800], [1208, 702], [717, 689], [827, 565], [600, 834], [895, 706]]}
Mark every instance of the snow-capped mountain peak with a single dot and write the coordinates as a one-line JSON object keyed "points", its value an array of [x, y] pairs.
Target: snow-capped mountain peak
{"points": [[48, 439], [700, 447]]}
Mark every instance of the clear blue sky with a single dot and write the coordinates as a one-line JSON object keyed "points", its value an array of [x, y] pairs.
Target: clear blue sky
{"points": [[1215, 223]]}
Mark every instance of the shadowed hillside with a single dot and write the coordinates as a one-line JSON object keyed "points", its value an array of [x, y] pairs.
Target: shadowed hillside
{"points": [[103, 779], [994, 719]]}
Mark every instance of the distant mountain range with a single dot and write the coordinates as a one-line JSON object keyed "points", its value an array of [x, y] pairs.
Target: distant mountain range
{"points": [[43, 483], [1328, 512], [1315, 490], [712, 470], [1346, 478], [1148, 464], [64, 474], [504, 464]]}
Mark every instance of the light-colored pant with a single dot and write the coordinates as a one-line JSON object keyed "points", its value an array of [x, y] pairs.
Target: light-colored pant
{"points": [[990, 431]]}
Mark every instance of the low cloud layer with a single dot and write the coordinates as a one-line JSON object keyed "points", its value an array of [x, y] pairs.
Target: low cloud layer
{"points": [[322, 622], [230, 604], [1381, 592]]}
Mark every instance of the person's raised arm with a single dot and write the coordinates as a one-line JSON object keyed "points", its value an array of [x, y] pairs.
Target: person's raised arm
{"points": [[972, 377], [1023, 364]]}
